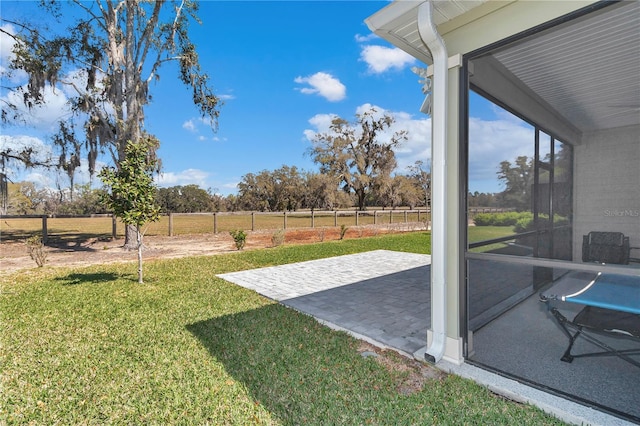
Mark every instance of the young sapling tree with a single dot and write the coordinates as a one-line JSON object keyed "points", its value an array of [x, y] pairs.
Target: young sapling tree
{"points": [[130, 190]]}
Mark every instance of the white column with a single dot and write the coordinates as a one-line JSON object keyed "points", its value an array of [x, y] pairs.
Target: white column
{"points": [[436, 45]]}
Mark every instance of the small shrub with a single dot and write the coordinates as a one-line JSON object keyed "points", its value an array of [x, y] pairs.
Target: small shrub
{"points": [[35, 247], [277, 239], [483, 219], [343, 230], [500, 219], [510, 218], [239, 237], [523, 225], [527, 223]]}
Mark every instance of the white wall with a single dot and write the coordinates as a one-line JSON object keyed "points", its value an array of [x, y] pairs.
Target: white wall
{"points": [[607, 185]]}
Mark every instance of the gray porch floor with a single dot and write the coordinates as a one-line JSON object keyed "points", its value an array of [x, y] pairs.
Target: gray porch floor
{"points": [[383, 297]]}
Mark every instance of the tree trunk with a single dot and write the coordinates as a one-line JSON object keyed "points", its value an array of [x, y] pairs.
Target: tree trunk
{"points": [[131, 237], [139, 240], [362, 196]]}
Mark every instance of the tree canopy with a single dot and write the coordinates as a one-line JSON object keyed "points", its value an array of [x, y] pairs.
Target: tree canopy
{"points": [[129, 190], [518, 180], [276, 190], [185, 199], [360, 154]]}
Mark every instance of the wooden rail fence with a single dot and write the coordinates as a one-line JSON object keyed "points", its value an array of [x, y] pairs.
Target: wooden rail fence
{"points": [[108, 226]]}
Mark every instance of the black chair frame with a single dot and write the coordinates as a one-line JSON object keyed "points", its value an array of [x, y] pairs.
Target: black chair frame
{"points": [[591, 322], [585, 325]]}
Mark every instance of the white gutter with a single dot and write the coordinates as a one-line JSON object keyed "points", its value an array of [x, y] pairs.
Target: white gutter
{"points": [[431, 38]]}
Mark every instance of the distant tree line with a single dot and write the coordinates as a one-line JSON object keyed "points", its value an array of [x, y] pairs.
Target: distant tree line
{"points": [[290, 189], [484, 199], [283, 189]]}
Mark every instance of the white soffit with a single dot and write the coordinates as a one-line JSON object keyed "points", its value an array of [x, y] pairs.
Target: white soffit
{"points": [[398, 22]]}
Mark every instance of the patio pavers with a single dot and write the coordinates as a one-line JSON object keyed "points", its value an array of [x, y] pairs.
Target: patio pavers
{"points": [[380, 295]]}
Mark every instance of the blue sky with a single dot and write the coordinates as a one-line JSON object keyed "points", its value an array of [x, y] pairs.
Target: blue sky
{"points": [[283, 70]]}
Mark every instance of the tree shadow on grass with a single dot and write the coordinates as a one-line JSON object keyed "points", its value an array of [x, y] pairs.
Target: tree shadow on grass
{"points": [[93, 278], [301, 371]]}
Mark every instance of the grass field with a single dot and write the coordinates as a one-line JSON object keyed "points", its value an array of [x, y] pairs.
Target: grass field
{"points": [[483, 233], [91, 346], [101, 227]]}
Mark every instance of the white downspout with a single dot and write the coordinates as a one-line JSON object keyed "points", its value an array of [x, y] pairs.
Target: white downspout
{"points": [[431, 38]]}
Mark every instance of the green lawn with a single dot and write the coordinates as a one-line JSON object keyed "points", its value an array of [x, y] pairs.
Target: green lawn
{"points": [[483, 233], [91, 346]]}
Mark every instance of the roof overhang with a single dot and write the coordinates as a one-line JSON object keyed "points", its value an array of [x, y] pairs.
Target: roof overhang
{"points": [[398, 22]]}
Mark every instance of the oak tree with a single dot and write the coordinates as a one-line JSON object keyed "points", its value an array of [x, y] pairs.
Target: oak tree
{"points": [[359, 153]]}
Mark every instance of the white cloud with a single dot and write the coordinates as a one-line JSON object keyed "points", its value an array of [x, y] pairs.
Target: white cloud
{"points": [[55, 178], [185, 177], [77, 83], [6, 55], [380, 59], [48, 178], [194, 125], [418, 145], [41, 152], [323, 84], [229, 188], [365, 38], [83, 176], [42, 117], [198, 177], [322, 120], [189, 125], [321, 124], [6, 42], [40, 180], [207, 121]]}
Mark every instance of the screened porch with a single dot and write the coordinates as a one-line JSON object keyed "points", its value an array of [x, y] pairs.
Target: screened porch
{"points": [[569, 181]]}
